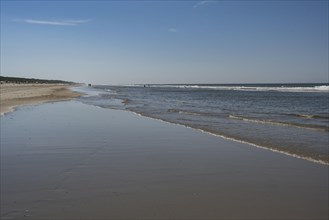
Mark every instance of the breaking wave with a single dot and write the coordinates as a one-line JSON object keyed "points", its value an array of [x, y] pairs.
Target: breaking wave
{"points": [[265, 88]]}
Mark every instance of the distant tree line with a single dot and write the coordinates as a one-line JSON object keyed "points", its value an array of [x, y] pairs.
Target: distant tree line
{"points": [[4, 79]]}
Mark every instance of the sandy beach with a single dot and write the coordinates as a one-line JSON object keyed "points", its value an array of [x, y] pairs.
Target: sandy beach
{"points": [[111, 164], [14, 95]]}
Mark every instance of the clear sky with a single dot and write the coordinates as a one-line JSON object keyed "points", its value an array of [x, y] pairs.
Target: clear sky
{"points": [[125, 42]]}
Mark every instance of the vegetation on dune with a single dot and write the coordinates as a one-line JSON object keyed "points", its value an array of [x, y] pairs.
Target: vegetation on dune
{"points": [[4, 79]]}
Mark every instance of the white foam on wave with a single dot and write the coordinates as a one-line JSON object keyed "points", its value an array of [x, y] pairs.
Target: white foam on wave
{"points": [[259, 121], [320, 88]]}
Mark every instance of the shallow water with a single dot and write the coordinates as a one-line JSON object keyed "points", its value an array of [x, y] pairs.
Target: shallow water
{"points": [[290, 118], [68, 160]]}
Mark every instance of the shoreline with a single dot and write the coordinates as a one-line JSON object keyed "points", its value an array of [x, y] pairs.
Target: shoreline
{"points": [[14, 95], [309, 159]]}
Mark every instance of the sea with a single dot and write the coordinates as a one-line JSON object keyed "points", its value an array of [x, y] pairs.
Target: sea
{"points": [[287, 118]]}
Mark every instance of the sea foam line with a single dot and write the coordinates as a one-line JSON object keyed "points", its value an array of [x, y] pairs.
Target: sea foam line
{"points": [[239, 141]]}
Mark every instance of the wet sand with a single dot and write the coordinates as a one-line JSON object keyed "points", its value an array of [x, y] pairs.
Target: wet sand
{"points": [[14, 95], [67, 160]]}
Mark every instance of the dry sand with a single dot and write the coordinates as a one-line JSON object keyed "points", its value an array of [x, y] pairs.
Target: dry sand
{"points": [[68, 160], [14, 95]]}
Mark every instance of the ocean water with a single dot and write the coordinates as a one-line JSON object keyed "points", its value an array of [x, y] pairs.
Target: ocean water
{"points": [[287, 118]]}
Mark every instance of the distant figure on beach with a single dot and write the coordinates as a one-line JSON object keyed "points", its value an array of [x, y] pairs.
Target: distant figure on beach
{"points": [[89, 84]]}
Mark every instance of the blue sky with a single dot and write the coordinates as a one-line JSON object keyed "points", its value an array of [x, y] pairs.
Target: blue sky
{"points": [[125, 42]]}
